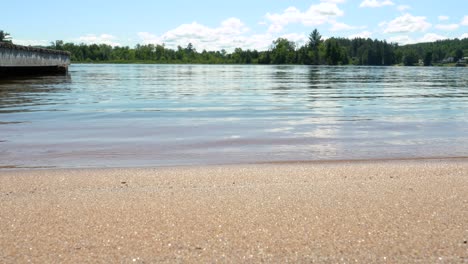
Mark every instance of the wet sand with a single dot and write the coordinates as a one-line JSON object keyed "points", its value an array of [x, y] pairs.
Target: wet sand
{"points": [[382, 211]]}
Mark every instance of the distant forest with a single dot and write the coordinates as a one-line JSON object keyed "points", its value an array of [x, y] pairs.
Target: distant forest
{"points": [[332, 51]]}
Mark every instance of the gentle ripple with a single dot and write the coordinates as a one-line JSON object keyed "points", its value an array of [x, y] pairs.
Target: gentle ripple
{"points": [[155, 115]]}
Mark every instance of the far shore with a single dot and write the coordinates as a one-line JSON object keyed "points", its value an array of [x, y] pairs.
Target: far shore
{"points": [[387, 211], [253, 64]]}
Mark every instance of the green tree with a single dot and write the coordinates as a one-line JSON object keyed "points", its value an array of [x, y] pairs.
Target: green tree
{"points": [[160, 52], [303, 55], [315, 40], [389, 56], [180, 54], [344, 57], [4, 36], [458, 54], [283, 51], [191, 53], [237, 56], [264, 57], [332, 52], [58, 45], [438, 55], [105, 52], [428, 59], [410, 58]]}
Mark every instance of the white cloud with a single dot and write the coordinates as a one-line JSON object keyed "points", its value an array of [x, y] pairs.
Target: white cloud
{"points": [[316, 15], [464, 21], [338, 26], [232, 26], [333, 1], [376, 3], [87, 39], [443, 18], [404, 39], [30, 42], [275, 28], [407, 23], [258, 42], [299, 39], [431, 37], [363, 34], [403, 8], [229, 35], [447, 27], [383, 24], [101, 39], [465, 35]]}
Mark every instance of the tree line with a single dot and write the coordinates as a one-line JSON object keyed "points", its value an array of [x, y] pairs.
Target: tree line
{"points": [[439, 52], [317, 51]]}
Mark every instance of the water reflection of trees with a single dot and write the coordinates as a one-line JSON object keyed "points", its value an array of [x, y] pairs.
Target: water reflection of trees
{"points": [[313, 77], [282, 77], [18, 93]]}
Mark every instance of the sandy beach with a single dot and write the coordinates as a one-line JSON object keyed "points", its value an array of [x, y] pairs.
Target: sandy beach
{"points": [[336, 212]]}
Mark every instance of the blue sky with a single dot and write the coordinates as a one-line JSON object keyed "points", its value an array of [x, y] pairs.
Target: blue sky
{"points": [[214, 25]]}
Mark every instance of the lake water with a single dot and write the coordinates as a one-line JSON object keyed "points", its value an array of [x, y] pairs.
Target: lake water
{"points": [[158, 115]]}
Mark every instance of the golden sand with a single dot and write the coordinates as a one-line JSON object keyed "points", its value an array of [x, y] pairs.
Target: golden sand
{"points": [[385, 212]]}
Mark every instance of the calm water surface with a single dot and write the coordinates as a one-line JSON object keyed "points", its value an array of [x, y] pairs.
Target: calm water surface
{"points": [[156, 115]]}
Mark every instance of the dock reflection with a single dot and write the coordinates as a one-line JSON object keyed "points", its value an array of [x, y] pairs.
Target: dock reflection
{"points": [[20, 93]]}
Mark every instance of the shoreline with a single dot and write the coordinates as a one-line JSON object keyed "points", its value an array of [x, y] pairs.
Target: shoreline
{"points": [[384, 211], [6, 168]]}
